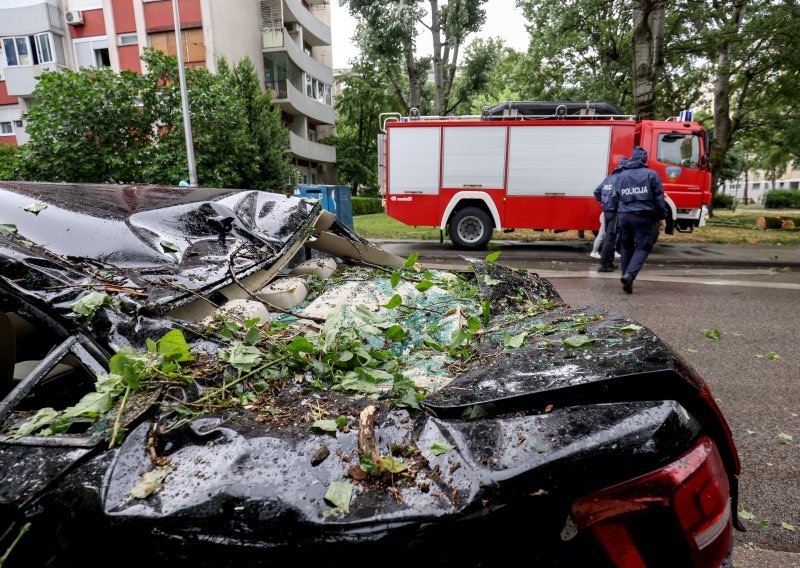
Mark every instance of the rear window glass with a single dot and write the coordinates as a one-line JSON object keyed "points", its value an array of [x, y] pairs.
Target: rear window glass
{"points": [[679, 151]]}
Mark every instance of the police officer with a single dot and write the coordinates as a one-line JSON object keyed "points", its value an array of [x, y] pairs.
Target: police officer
{"points": [[640, 197], [604, 193]]}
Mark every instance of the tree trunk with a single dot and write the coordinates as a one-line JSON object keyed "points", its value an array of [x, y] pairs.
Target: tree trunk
{"points": [[723, 131], [413, 78], [648, 53], [438, 66]]}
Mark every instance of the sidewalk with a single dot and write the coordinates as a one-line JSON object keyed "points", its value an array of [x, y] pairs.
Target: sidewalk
{"points": [[705, 254]]}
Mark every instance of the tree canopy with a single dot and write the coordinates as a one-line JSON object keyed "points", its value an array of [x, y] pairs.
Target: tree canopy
{"points": [[95, 125]]}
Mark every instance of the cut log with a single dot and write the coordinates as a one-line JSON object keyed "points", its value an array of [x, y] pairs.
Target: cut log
{"points": [[787, 224], [769, 223], [366, 430]]}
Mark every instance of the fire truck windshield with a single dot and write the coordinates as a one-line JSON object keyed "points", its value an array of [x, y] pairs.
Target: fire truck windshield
{"points": [[679, 150]]}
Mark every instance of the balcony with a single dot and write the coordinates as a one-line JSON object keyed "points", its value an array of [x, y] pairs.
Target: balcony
{"points": [[295, 102], [21, 81], [34, 18], [309, 150], [315, 32], [273, 44]]}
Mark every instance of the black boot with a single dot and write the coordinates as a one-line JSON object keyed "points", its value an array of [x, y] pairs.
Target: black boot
{"points": [[627, 283], [606, 268]]}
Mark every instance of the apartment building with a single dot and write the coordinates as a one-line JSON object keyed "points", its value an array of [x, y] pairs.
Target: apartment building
{"points": [[753, 186], [289, 42]]}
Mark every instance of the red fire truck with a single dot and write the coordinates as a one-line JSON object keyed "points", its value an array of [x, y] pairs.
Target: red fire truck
{"points": [[532, 165]]}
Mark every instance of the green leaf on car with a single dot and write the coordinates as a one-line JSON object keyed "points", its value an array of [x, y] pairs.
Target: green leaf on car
{"points": [[395, 333], [130, 365], [424, 286], [36, 207], [578, 341], [168, 246], [7, 229], [411, 260], [339, 494], [784, 438], [493, 256], [394, 302], [151, 482], [173, 347], [392, 465], [439, 448], [88, 304], [630, 328], [746, 515], [395, 278], [325, 425], [514, 341]]}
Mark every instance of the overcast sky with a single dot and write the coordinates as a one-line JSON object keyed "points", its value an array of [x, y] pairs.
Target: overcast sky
{"points": [[502, 20]]}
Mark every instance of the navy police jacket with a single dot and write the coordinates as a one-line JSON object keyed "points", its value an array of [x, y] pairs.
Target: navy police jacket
{"points": [[637, 188], [604, 193]]}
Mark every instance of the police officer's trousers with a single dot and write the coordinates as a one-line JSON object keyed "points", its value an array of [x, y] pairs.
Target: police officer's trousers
{"points": [[636, 236], [610, 240]]}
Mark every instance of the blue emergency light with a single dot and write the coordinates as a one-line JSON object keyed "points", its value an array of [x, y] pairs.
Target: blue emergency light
{"points": [[685, 116]]}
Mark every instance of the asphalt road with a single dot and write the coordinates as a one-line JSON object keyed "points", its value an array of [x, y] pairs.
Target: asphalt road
{"points": [[753, 298]]}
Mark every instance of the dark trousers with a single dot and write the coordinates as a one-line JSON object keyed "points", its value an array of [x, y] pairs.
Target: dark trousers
{"points": [[610, 238], [636, 236]]}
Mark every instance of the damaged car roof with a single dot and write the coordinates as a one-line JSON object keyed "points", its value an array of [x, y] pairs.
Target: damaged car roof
{"points": [[385, 399]]}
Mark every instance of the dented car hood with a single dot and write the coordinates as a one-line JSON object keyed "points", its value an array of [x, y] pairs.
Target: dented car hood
{"points": [[527, 428]]}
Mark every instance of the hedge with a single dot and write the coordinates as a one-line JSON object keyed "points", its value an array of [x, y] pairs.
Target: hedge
{"points": [[783, 199], [366, 205], [722, 201]]}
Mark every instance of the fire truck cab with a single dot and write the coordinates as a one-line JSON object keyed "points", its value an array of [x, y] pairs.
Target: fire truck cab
{"points": [[532, 165]]}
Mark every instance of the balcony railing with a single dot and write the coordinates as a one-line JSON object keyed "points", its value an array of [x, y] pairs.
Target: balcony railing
{"points": [[278, 89]]}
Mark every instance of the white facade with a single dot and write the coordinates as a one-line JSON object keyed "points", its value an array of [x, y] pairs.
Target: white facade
{"points": [[297, 58], [753, 186]]}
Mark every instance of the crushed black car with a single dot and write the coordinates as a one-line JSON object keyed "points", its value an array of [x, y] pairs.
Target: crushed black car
{"points": [[210, 377]]}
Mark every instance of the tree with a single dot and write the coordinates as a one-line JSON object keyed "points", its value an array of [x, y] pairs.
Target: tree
{"points": [[272, 168], [579, 50], [388, 34], [648, 53], [95, 125], [363, 97], [9, 162]]}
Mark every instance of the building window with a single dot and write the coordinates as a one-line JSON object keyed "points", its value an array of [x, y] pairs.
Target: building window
{"points": [[27, 50], [127, 39], [17, 124], [194, 48], [5, 128], [92, 52]]}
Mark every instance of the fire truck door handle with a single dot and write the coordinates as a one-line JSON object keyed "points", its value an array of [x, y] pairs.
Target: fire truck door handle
{"points": [[555, 193], [412, 191], [473, 185]]}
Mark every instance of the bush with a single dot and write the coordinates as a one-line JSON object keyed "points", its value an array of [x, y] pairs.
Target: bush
{"points": [[9, 162], [722, 201], [783, 199], [366, 206]]}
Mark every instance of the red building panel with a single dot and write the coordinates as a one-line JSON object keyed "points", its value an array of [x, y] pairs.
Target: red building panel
{"points": [[124, 19], [10, 139], [129, 58], [5, 98], [93, 25], [158, 15]]}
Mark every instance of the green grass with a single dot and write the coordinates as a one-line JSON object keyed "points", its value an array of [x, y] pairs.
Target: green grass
{"points": [[725, 227]]}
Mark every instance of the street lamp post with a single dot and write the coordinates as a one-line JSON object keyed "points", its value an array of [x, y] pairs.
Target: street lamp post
{"points": [[187, 119]]}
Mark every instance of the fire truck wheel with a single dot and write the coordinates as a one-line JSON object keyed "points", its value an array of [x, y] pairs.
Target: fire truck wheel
{"points": [[470, 228]]}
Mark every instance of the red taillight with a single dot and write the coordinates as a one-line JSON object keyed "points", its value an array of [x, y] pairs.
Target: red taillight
{"points": [[692, 493]]}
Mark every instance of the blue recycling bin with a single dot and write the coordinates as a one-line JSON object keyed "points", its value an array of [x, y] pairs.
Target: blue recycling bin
{"points": [[333, 198]]}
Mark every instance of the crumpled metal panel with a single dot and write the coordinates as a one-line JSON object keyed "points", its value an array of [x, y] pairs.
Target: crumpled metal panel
{"points": [[138, 237]]}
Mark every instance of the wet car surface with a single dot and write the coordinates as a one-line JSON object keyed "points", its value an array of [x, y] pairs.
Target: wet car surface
{"points": [[174, 373]]}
